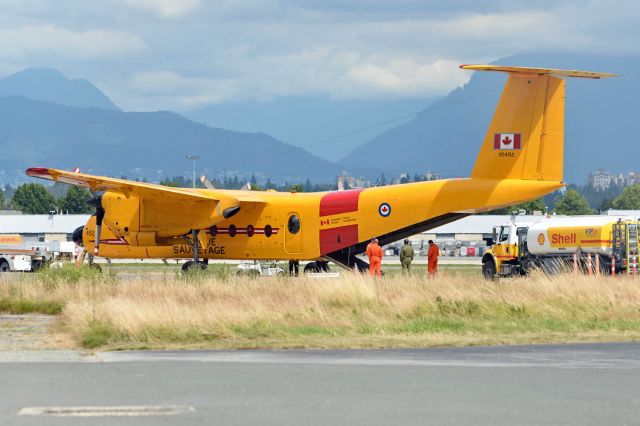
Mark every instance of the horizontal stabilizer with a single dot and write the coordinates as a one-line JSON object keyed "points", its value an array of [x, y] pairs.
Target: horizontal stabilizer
{"points": [[538, 71]]}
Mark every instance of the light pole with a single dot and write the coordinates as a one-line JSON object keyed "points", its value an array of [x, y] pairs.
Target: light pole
{"points": [[194, 158]]}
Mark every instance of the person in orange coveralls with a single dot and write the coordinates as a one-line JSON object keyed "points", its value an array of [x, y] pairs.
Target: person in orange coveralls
{"points": [[432, 256], [374, 252]]}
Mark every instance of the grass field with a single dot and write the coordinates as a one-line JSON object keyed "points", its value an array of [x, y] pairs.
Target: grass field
{"points": [[218, 309]]}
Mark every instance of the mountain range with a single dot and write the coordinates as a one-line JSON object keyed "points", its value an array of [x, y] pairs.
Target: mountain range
{"points": [[328, 128], [47, 119], [49, 85], [148, 145]]}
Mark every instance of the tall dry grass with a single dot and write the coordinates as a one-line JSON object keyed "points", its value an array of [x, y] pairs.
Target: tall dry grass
{"points": [[351, 311]]}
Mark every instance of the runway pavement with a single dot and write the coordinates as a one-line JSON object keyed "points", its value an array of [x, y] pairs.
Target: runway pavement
{"points": [[523, 385]]}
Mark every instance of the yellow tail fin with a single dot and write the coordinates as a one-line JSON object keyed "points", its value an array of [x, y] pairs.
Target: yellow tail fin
{"points": [[526, 137]]}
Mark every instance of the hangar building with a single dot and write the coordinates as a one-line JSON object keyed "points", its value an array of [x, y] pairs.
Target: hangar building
{"points": [[41, 227]]}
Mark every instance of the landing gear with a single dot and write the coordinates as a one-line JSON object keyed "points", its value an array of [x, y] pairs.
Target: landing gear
{"points": [[319, 266], [195, 263], [92, 265], [190, 264]]}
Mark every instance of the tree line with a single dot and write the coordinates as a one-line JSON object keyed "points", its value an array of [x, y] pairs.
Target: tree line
{"points": [[573, 202], [34, 198]]}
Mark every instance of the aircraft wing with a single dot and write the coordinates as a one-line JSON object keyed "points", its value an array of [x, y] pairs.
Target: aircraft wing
{"points": [[127, 187]]}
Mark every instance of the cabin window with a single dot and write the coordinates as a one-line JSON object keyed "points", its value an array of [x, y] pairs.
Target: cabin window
{"points": [[250, 230], [268, 231], [294, 224], [232, 230]]}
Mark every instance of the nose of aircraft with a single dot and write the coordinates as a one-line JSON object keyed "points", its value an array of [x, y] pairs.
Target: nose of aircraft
{"points": [[76, 237]]}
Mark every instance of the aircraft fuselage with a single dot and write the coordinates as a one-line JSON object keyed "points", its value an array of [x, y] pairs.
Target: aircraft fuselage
{"points": [[314, 225]]}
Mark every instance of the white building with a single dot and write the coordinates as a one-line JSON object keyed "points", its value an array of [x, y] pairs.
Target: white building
{"points": [[346, 181], [624, 213], [42, 227], [600, 180]]}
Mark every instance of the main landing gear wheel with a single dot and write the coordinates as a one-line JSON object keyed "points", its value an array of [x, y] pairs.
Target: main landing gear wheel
{"points": [[95, 267], [316, 267], [4, 266], [190, 264]]}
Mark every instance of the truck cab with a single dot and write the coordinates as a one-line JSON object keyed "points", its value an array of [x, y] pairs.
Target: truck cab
{"points": [[502, 258]]}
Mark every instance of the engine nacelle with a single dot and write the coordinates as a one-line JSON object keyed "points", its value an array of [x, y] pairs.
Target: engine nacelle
{"points": [[144, 221]]}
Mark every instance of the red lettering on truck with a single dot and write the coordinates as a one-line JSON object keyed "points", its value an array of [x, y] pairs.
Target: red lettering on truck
{"points": [[563, 239]]}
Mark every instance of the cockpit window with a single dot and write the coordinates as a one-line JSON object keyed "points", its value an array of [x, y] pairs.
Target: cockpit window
{"points": [[294, 224]]}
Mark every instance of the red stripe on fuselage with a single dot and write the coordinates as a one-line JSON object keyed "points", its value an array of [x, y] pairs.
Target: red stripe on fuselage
{"points": [[338, 238], [340, 202]]}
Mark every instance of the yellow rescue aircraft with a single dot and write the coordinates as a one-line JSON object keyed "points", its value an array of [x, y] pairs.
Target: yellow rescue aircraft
{"points": [[521, 159]]}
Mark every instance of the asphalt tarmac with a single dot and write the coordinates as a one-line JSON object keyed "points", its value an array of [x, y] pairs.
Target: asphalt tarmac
{"points": [[594, 384]]}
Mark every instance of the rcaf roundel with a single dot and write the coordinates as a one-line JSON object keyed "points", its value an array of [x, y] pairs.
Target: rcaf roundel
{"points": [[507, 141], [384, 209]]}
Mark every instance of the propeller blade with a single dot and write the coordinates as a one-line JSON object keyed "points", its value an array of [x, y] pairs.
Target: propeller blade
{"points": [[96, 201], [206, 182]]}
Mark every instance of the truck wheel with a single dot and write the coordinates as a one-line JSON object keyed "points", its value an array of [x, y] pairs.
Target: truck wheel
{"points": [[36, 265], [4, 266], [489, 269]]}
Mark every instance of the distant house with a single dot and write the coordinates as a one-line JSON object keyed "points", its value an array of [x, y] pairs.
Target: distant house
{"points": [[600, 180], [346, 181]]}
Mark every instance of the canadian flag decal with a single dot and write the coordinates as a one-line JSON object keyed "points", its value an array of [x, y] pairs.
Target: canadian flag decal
{"points": [[507, 141]]}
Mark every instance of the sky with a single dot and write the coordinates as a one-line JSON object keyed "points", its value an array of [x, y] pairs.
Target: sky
{"points": [[183, 54]]}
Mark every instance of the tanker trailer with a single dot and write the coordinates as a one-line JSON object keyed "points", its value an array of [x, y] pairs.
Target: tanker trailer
{"points": [[550, 245]]}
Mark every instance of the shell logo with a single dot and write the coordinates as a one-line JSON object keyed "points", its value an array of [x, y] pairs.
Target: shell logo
{"points": [[541, 238]]}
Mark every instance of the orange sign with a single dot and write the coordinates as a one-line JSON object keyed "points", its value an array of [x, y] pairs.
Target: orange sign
{"points": [[10, 240]]}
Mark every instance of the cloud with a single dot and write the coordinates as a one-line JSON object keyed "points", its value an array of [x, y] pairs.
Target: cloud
{"points": [[406, 76], [170, 9], [52, 40], [171, 54], [170, 90], [321, 71]]}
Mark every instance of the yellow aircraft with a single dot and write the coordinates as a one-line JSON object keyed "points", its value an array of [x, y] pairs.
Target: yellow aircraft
{"points": [[521, 159]]}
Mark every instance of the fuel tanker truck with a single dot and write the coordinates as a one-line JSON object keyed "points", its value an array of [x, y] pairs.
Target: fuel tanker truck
{"points": [[551, 243]]}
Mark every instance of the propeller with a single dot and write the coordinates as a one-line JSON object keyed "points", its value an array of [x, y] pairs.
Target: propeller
{"points": [[96, 201], [206, 182]]}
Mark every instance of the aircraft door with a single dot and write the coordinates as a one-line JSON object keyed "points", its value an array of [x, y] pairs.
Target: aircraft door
{"points": [[293, 233]]}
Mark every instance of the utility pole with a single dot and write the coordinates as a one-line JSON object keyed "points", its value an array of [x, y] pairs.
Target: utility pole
{"points": [[194, 158]]}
